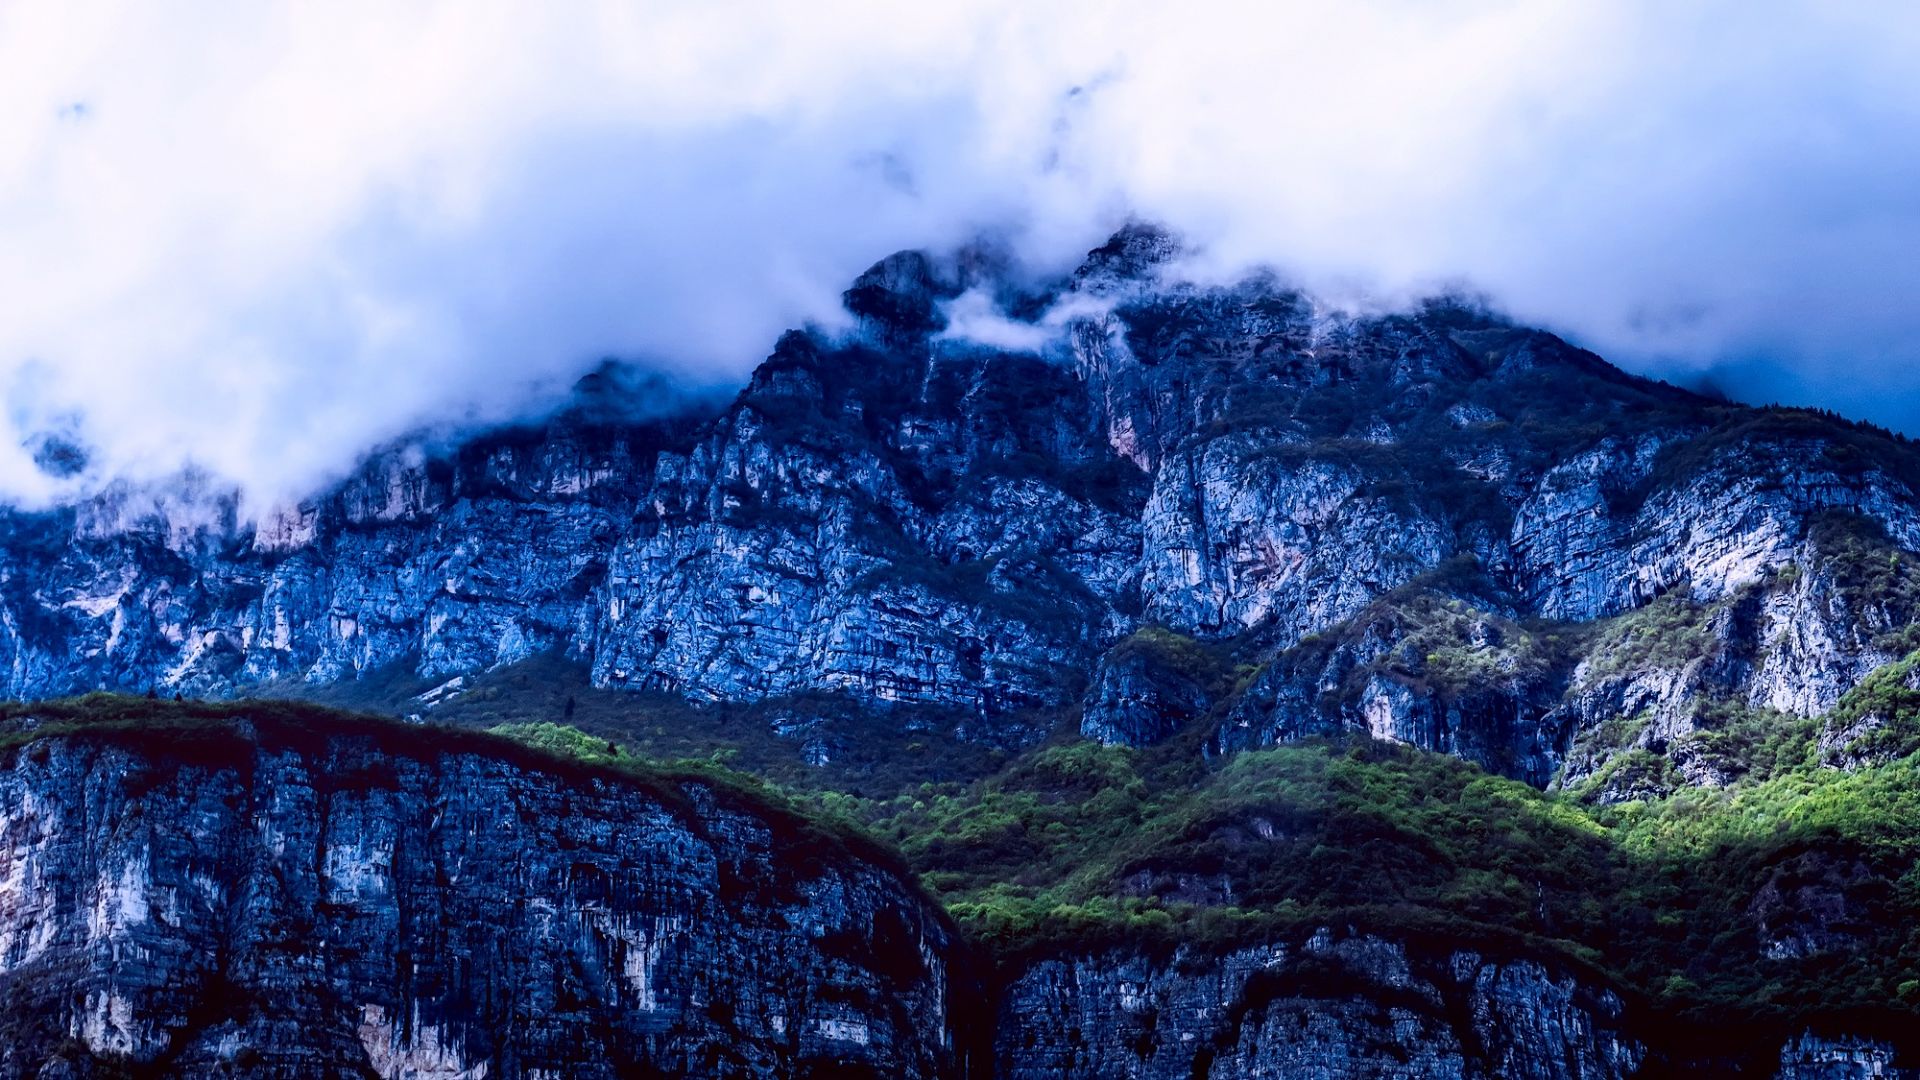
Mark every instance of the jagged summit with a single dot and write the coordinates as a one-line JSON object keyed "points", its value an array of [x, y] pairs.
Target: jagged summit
{"points": [[1434, 525], [1131, 255]]}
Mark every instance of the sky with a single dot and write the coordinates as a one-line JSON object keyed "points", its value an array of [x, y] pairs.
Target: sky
{"points": [[257, 239]]}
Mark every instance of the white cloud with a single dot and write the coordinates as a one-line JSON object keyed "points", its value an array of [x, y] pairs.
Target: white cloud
{"points": [[974, 317], [264, 237]]}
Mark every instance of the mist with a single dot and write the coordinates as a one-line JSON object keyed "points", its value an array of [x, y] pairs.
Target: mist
{"points": [[258, 240]]}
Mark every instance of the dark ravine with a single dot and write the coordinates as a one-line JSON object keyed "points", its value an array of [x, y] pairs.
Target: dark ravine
{"points": [[1216, 518]]}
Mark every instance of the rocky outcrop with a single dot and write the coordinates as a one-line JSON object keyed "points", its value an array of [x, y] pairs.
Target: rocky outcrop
{"points": [[1150, 686], [1329, 1006], [1817, 902], [1425, 666], [256, 897], [1814, 1057], [1337, 1005], [1238, 539], [782, 548]]}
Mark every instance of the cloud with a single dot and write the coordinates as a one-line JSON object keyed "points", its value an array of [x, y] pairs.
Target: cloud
{"points": [[262, 238], [976, 318]]}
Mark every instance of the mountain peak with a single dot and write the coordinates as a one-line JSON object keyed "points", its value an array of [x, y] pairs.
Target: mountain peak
{"points": [[1135, 251]]}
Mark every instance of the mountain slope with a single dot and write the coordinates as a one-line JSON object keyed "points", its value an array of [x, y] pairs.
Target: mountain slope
{"points": [[1435, 526]]}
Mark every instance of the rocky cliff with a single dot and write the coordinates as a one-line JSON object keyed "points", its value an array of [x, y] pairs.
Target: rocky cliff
{"points": [[1328, 1006], [1349, 1005], [264, 892], [1436, 527]]}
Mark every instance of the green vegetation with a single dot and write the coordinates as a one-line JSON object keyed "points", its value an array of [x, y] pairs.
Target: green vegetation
{"points": [[1271, 838], [1668, 631], [1748, 741], [1879, 719], [1454, 648], [1453, 651], [1682, 899], [1631, 774], [562, 740]]}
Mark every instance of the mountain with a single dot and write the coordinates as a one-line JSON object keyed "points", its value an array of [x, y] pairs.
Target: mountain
{"points": [[1437, 527], [1267, 689]]}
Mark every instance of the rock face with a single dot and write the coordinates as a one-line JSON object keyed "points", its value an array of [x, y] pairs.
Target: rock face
{"points": [[1358, 1006], [1812, 1057], [272, 904], [1149, 686], [1433, 667], [911, 519]]}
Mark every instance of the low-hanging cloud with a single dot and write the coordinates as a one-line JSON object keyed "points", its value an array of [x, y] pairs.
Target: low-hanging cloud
{"points": [[260, 239]]}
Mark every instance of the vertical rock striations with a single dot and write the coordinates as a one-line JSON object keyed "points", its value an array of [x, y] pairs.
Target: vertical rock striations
{"points": [[1325, 1007], [266, 900]]}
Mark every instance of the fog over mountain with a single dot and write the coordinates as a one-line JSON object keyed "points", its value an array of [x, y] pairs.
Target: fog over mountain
{"points": [[264, 249]]}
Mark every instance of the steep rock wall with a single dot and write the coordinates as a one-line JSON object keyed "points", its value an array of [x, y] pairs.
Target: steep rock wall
{"points": [[271, 907]]}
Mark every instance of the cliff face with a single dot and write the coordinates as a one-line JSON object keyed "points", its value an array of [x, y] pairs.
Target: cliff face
{"points": [[249, 901], [1357, 1006], [906, 518]]}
